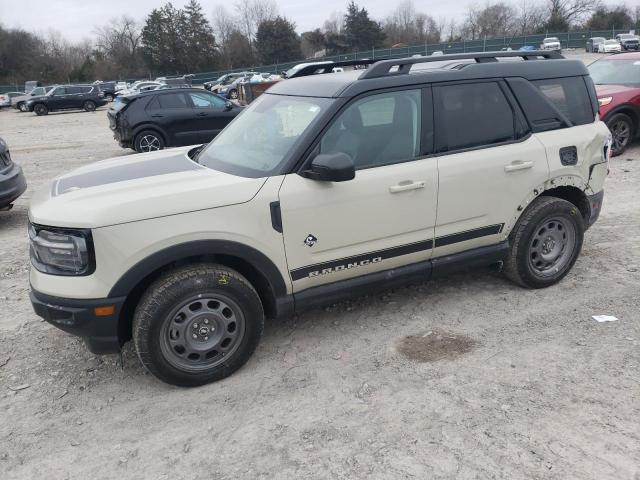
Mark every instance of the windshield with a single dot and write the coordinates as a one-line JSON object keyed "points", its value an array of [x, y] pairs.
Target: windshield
{"points": [[258, 142], [626, 36], [550, 40], [615, 72], [611, 42]]}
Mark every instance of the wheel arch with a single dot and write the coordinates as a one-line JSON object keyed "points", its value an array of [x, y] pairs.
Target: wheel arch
{"points": [[258, 269], [150, 126], [572, 195]]}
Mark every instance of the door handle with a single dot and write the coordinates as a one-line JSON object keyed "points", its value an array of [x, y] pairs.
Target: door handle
{"points": [[518, 165], [157, 115], [407, 185], [202, 114]]}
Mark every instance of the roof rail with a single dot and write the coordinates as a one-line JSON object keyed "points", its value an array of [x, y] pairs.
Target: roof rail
{"points": [[327, 67], [383, 68]]}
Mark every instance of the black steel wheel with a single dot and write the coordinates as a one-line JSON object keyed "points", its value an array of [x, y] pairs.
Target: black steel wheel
{"points": [[197, 324], [545, 243]]}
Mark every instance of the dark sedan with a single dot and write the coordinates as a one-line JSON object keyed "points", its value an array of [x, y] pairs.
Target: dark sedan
{"points": [[12, 181], [157, 119]]}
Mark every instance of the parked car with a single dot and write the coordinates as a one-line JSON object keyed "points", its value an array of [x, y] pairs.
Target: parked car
{"points": [[109, 90], [551, 43], [67, 97], [6, 98], [20, 101], [168, 118], [617, 80], [594, 43], [320, 190], [628, 41], [610, 46], [215, 85], [12, 181], [139, 86], [228, 88], [181, 81]]}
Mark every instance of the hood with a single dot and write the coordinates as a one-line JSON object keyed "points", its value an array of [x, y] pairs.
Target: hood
{"points": [[137, 187], [608, 90]]}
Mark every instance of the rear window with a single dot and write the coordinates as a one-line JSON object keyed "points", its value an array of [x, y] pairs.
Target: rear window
{"points": [[172, 100], [570, 96], [119, 103], [474, 115]]}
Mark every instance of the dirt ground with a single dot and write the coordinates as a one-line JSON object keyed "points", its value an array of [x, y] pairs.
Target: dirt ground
{"points": [[464, 377]]}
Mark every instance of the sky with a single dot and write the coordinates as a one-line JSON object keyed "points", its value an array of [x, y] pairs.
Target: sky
{"points": [[76, 19]]}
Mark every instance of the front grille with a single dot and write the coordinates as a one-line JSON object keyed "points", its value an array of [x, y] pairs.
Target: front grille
{"points": [[5, 158]]}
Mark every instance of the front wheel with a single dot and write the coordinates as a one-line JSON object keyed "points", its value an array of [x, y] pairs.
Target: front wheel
{"points": [[197, 324], [108, 97], [41, 109], [621, 128], [233, 94], [22, 107], [545, 243]]}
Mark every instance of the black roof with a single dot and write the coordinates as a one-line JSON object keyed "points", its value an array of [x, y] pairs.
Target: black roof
{"points": [[148, 93], [399, 72]]}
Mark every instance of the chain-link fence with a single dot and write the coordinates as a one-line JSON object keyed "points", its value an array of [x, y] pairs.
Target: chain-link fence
{"points": [[567, 40]]}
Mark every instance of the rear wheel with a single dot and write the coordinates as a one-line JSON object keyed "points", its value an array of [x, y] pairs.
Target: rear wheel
{"points": [[622, 131], [197, 324], [545, 243], [148, 141], [233, 94], [89, 106], [108, 97], [41, 109]]}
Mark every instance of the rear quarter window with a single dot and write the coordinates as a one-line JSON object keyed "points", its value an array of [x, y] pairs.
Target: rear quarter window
{"points": [[570, 96]]}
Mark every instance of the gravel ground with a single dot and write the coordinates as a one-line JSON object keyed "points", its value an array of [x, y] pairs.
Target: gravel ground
{"points": [[465, 377]]}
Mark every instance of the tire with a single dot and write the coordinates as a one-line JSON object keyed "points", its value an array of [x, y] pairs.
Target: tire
{"points": [[22, 106], [545, 243], [41, 109], [233, 94], [108, 97], [148, 141], [622, 132], [89, 106], [215, 304]]}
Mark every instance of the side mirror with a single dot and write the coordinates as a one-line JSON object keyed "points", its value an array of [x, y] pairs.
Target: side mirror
{"points": [[331, 167]]}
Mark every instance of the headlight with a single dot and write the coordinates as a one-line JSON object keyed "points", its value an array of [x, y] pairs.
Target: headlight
{"points": [[61, 251], [224, 89], [604, 101]]}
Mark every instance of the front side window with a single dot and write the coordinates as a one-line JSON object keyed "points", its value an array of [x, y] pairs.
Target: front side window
{"points": [[259, 140], [205, 100], [473, 115], [59, 91], [570, 96], [377, 130]]}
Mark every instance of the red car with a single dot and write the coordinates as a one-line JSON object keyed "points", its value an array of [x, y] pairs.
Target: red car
{"points": [[617, 79]]}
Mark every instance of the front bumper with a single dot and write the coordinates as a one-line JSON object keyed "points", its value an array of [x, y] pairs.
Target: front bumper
{"points": [[595, 206], [12, 185], [77, 316]]}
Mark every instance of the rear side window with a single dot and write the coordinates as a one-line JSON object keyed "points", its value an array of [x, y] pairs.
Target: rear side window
{"points": [[472, 115], [570, 96], [173, 100]]}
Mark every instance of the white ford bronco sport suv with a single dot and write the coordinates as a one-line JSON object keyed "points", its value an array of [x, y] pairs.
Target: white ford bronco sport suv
{"points": [[327, 186]]}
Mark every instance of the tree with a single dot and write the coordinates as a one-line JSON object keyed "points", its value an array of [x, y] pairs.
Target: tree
{"points": [[200, 50], [564, 13], [312, 42], [241, 52], [493, 20], [117, 49], [224, 25], [607, 19], [277, 41], [360, 31], [405, 25], [178, 40], [251, 13]]}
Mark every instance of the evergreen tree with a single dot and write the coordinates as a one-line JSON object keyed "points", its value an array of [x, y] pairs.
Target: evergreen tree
{"points": [[361, 33], [277, 41], [199, 43]]}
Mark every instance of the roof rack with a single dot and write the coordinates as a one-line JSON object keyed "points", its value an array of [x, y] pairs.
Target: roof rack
{"points": [[383, 68], [327, 67]]}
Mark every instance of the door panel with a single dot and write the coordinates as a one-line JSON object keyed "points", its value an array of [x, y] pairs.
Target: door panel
{"points": [[480, 191], [493, 165], [334, 231], [210, 115]]}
